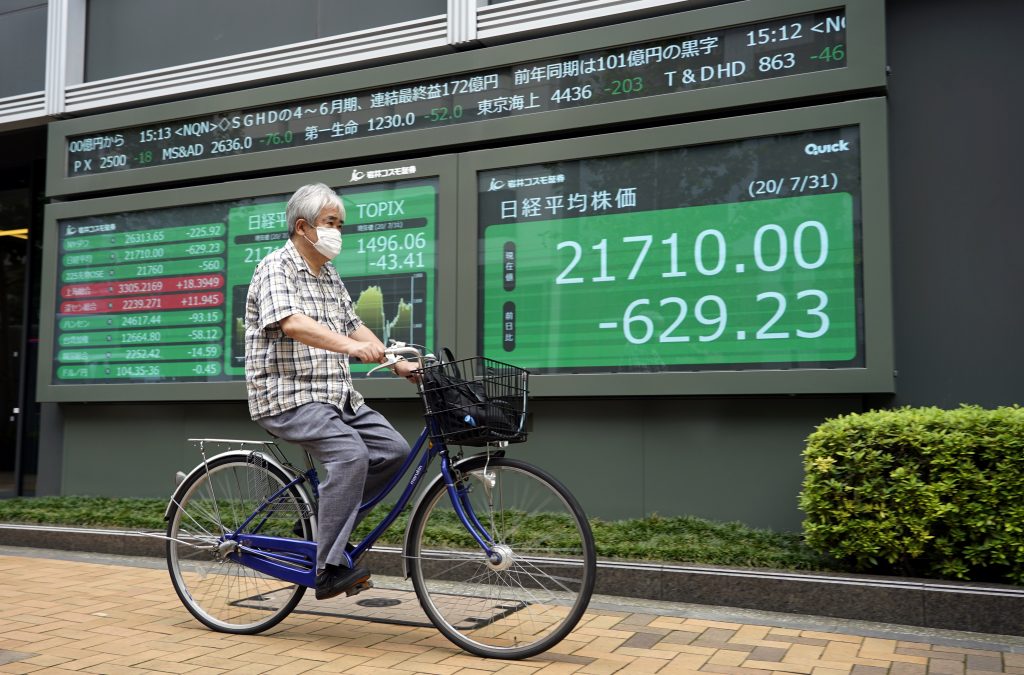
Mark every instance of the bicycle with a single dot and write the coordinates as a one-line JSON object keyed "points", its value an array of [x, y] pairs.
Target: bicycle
{"points": [[504, 567]]}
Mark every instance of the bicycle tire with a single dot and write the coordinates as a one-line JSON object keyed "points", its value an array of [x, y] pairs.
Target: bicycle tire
{"points": [[536, 595], [223, 594]]}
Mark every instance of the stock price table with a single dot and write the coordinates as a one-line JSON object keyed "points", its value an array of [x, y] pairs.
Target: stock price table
{"points": [[733, 255], [159, 295]]}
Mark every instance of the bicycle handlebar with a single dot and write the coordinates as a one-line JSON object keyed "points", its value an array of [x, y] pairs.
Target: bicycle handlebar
{"points": [[400, 351]]}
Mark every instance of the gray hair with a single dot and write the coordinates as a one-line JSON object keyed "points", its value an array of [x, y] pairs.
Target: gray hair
{"points": [[307, 203]]}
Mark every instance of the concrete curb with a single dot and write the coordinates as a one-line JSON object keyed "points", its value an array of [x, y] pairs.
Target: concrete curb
{"points": [[982, 608]]}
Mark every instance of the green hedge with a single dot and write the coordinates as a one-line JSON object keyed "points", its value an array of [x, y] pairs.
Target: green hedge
{"points": [[920, 491]]}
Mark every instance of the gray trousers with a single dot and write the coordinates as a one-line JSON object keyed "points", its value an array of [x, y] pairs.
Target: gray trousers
{"points": [[360, 451]]}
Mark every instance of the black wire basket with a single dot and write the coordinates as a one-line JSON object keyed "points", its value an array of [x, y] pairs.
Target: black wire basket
{"points": [[476, 401]]}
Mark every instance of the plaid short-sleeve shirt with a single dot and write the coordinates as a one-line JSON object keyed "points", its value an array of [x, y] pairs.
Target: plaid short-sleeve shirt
{"points": [[282, 373]]}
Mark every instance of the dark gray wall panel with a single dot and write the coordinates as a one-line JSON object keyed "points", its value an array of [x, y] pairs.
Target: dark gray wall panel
{"points": [[131, 36], [345, 16], [955, 101], [724, 459], [22, 48], [16, 5], [731, 459]]}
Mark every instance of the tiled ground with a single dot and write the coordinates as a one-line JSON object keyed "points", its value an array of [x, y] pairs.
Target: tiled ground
{"points": [[71, 616]]}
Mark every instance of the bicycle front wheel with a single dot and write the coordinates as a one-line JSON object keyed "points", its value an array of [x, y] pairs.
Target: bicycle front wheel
{"points": [[534, 591], [218, 591]]}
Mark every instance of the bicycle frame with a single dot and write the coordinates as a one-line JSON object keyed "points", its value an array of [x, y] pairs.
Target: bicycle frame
{"points": [[294, 560]]}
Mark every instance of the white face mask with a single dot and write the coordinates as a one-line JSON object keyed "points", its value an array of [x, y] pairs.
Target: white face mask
{"points": [[328, 242]]}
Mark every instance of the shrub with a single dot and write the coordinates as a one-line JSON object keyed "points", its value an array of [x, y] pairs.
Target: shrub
{"points": [[923, 491]]}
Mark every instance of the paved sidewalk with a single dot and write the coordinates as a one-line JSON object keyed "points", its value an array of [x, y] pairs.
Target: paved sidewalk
{"points": [[81, 613]]}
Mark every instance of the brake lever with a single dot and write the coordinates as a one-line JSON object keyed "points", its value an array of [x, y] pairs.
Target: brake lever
{"points": [[392, 360]]}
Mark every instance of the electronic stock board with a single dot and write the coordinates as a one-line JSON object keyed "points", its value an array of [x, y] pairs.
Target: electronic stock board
{"points": [[723, 256], [156, 295], [749, 253]]}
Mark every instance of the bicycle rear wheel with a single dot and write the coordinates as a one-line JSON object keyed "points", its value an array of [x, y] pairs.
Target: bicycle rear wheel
{"points": [[221, 593], [524, 603]]}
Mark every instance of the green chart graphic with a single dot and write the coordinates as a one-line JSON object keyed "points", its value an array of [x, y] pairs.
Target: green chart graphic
{"points": [[392, 306]]}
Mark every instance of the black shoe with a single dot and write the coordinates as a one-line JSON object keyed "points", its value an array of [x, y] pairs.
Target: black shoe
{"points": [[337, 580]]}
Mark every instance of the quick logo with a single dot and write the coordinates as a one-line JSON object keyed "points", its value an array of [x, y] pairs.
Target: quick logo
{"points": [[817, 149]]}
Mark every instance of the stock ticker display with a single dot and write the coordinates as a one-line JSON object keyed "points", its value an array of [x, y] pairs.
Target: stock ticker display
{"points": [[159, 295], [751, 52]]}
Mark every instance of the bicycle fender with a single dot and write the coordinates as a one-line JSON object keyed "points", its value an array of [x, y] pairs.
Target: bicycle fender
{"points": [[202, 467], [424, 492]]}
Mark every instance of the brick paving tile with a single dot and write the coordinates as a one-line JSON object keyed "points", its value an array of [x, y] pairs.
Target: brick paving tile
{"points": [[688, 661], [804, 653], [250, 669], [715, 634], [643, 640], [992, 663], [771, 666], [727, 658], [732, 670], [791, 632], [169, 667], [679, 637], [663, 655], [907, 669], [12, 656], [18, 667], [550, 669], [107, 669], [602, 667], [945, 667], [965, 650], [713, 624], [958, 655], [767, 654], [45, 661], [421, 667], [564, 658], [832, 637], [674, 623], [637, 619], [460, 660], [517, 668]]}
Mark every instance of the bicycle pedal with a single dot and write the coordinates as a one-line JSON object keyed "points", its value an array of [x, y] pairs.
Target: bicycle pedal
{"points": [[359, 587]]}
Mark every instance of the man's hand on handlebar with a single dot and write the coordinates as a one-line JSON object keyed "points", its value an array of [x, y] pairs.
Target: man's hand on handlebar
{"points": [[367, 352], [407, 370], [404, 360]]}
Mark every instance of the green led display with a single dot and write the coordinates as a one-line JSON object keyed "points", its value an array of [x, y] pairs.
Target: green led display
{"points": [[147, 296], [734, 255]]}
